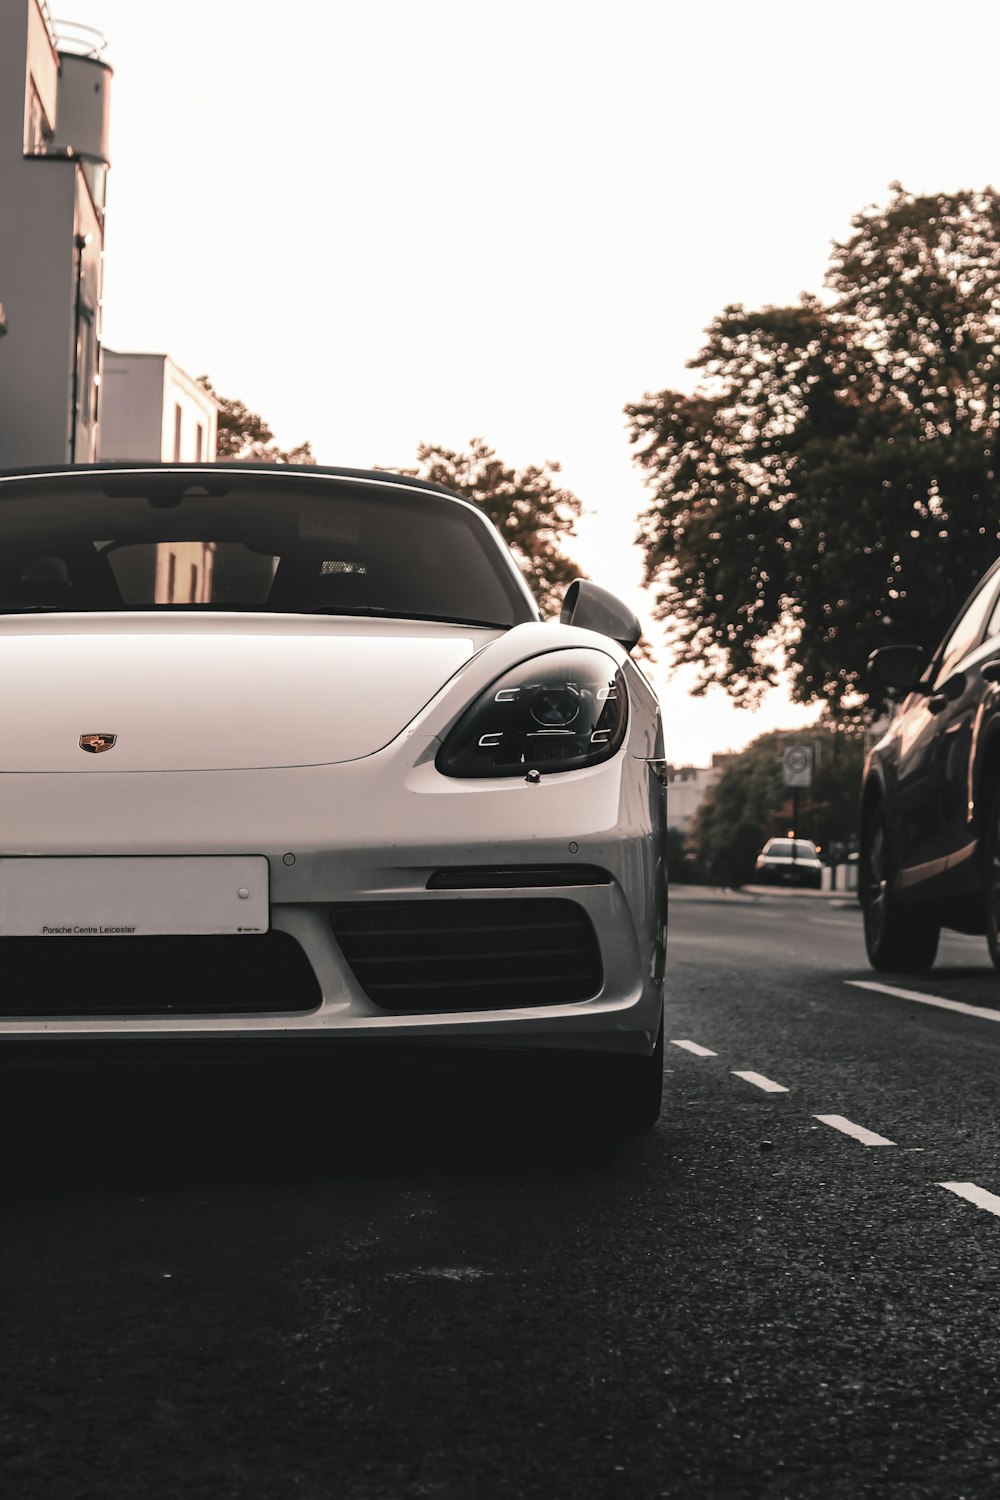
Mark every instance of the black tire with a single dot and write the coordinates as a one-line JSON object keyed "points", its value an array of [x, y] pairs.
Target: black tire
{"points": [[615, 1095], [991, 881], [898, 939]]}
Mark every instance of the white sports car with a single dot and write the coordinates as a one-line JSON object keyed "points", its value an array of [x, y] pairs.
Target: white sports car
{"points": [[289, 755]]}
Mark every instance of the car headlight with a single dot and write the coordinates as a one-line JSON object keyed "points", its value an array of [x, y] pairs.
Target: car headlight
{"points": [[558, 712]]}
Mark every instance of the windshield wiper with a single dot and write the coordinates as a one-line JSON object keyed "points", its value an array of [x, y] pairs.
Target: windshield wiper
{"points": [[404, 614]]}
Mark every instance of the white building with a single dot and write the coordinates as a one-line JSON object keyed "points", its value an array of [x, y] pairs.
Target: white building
{"points": [[686, 789], [53, 166], [151, 410], [61, 399]]}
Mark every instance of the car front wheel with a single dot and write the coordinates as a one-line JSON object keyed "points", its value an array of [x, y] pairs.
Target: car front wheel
{"points": [[899, 939]]}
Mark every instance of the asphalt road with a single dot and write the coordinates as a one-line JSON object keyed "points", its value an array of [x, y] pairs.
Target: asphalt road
{"points": [[401, 1280]]}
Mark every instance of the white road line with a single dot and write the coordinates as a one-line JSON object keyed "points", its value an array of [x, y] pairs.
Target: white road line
{"points": [[693, 1047], [759, 1081], [866, 1137], [977, 1195], [921, 999]]}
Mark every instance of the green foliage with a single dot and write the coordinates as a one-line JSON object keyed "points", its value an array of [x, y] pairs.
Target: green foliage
{"points": [[532, 512], [731, 823], [832, 485], [244, 435], [748, 804]]}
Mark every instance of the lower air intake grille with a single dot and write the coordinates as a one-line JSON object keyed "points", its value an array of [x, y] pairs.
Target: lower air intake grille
{"points": [[155, 976], [470, 955]]}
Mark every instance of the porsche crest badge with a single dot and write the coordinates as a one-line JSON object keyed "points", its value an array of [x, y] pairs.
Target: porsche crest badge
{"points": [[95, 743]]}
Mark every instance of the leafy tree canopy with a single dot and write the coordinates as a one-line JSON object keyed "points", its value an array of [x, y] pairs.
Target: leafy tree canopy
{"points": [[243, 434], [532, 511], [747, 805], [832, 484]]}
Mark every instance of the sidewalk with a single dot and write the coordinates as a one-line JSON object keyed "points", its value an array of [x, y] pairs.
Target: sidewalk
{"points": [[752, 893]]}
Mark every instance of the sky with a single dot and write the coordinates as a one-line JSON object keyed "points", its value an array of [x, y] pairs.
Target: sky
{"points": [[381, 222]]}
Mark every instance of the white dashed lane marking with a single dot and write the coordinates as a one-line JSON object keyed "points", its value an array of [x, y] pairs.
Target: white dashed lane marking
{"points": [[866, 1137], [693, 1047], [759, 1081], [972, 1194], [921, 999]]}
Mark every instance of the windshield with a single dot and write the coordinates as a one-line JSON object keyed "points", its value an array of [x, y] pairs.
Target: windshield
{"points": [[270, 545]]}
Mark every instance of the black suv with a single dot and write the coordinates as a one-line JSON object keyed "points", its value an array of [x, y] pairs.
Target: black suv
{"points": [[930, 816]]}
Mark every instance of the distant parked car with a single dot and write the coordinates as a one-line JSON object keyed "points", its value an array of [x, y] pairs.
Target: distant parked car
{"points": [[930, 816], [789, 862]]}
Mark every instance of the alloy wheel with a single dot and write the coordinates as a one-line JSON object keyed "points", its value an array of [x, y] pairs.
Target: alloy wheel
{"points": [[876, 892]]}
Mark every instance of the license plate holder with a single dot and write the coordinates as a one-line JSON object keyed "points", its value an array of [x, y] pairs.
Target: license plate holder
{"points": [[134, 896]]}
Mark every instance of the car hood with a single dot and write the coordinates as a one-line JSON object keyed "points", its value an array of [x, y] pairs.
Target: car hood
{"points": [[237, 692]]}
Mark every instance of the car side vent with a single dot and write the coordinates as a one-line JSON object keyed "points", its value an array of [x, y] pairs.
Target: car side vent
{"points": [[476, 878], [422, 956]]}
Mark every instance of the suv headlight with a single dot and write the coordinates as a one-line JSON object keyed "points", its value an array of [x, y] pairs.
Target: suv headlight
{"points": [[558, 712]]}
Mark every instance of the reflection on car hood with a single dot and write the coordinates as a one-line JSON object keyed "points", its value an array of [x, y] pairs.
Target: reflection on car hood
{"points": [[786, 859], [186, 692]]}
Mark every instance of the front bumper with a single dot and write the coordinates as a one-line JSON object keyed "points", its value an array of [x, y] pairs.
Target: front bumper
{"points": [[371, 831], [790, 874]]}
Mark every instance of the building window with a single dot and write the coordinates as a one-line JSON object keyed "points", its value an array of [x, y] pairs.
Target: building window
{"points": [[87, 367], [199, 443], [178, 422], [39, 131]]}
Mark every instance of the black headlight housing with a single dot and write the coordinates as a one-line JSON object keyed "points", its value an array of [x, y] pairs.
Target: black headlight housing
{"points": [[558, 712]]}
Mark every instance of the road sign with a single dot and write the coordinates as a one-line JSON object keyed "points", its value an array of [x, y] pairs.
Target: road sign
{"points": [[797, 766]]}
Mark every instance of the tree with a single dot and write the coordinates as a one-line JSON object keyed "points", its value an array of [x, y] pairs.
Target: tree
{"points": [[682, 866], [244, 435], [831, 485], [748, 804], [529, 508]]}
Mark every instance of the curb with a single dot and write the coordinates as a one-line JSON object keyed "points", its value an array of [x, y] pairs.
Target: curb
{"points": [[750, 895]]}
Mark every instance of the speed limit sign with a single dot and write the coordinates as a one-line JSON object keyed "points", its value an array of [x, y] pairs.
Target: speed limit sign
{"points": [[797, 765]]}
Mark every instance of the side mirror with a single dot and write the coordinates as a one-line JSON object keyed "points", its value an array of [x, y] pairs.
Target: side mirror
{"points": [[898, 667], [590, 607]]}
